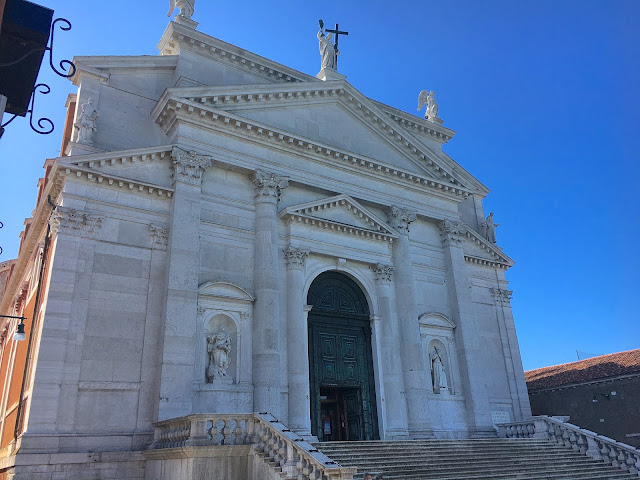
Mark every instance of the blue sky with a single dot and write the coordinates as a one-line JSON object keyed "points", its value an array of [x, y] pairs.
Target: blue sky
{"points": [[543, 95]]}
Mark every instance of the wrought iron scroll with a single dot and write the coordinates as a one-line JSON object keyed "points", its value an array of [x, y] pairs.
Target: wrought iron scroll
{"points": [[67, 70], [44, 124], [67, 66], [64, 64]]}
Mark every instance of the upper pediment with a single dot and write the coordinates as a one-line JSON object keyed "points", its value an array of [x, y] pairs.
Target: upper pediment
{"points": [[332, 114], [341, 214], [177, 38]]}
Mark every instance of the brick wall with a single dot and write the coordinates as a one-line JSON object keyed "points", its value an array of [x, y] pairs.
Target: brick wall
{"points": [[616, 416]]}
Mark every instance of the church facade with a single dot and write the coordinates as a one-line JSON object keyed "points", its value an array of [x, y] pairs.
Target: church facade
{"points": [[225, 234]]}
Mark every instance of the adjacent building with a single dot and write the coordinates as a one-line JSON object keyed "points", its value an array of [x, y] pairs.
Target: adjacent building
{"points": [[600, 394]]}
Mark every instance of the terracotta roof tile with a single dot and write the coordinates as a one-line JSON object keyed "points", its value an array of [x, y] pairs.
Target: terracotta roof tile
{"points": [[596, 368]]}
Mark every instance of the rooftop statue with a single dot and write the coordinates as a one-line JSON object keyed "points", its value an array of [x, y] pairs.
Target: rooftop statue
{"points": [[428, 99], [327, 50], [186, 7]]}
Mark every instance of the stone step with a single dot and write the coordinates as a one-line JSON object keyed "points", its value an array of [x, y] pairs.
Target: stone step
{"points": [[495, 459], [434, 457]]}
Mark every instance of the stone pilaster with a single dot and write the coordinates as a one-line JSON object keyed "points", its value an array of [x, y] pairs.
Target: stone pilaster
{"points": [[475, 392], [394, 402], [416, 376], [511, 351], [269, 394], [297, 343], [179, 347]]}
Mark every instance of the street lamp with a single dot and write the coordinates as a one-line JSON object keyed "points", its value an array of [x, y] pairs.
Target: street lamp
{"points": [[19, 335]]}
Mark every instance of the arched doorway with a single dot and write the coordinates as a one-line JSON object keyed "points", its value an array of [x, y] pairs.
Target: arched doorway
{"points": [[342, 387]]}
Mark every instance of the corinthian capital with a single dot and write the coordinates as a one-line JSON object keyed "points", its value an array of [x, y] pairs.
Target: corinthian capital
{"points": [[188, 166], [400, 218], [295, 258], [452, 232], [502, 296], [382, 272], [73, 222], [268, 184]]}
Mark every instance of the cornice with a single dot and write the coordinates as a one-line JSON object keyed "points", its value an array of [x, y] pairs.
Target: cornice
{"points": [[497, 256], [177, 37], [485, 262], [100, 177], [98, 66], [241, 97], [439, 133], [173, 110], [31, 241], [120, 157]]}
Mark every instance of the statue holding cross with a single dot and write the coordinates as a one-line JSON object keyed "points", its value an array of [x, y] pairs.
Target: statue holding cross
{"points": [[328, 50]]}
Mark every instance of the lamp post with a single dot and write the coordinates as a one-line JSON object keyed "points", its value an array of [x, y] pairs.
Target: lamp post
{"points": [[19, 335]]}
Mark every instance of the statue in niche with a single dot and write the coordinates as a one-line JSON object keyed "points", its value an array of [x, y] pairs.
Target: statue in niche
{"points": [[187, 7], [438, 375], [219, 350], [327, 50], [489, 228], [428, 99], [86, 123]]}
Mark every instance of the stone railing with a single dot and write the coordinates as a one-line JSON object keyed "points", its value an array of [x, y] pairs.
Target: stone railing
{"points": [[279, 446], [584, 441]]}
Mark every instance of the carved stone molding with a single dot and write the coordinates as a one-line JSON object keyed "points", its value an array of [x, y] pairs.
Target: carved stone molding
{"points": [[400, 218], [201, 310], [452, 232], [73, 222], [268, 184], [502, 296], [188, 166], [383, 273], [295, 258], [244, 316], [159, 236]]}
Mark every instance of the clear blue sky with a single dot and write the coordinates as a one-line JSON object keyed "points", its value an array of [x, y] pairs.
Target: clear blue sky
{"points": [[544, 95]]}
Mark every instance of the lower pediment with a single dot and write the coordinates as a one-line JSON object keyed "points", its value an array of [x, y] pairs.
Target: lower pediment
{"points": [[340, 214]]}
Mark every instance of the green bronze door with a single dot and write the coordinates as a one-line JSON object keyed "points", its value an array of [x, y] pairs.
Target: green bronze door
{"points": [[340, 357]]}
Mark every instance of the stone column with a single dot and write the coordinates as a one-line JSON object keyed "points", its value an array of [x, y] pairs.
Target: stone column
{"points": [[297, 343], [475, 393], [269, 393], [511, 351], [393, 399], [179, 346], [416, 377]]}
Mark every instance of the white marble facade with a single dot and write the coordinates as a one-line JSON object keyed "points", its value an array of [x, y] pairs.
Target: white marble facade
{"points": [[218, 185]]}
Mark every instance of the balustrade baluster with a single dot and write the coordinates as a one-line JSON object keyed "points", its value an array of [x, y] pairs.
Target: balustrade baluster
{"points": [[240, 433]]}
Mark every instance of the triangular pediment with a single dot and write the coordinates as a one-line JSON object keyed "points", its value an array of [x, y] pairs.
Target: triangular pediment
{"points": [[331, 113], [340, 213], [145, 169], [480, 251]]}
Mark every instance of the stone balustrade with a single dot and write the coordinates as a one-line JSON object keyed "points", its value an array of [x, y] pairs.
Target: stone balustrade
{"points": [[269, 438], [584, 441]]}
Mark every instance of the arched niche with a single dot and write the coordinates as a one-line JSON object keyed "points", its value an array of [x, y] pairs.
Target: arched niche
{"points": [[224, 308], [438, 346]]}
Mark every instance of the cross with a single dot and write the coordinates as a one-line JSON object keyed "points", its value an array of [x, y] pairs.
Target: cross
{"points": [[337, 32]]}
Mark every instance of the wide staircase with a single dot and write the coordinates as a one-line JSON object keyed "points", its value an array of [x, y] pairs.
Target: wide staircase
{"points": [[499, 459]]}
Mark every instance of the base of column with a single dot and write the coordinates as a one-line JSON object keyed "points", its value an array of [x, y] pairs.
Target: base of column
{"points": [[483, 433], [396, 434], [421, 434]]}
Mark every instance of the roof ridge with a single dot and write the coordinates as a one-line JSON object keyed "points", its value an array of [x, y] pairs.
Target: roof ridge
{"points": [[581, 361]]}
